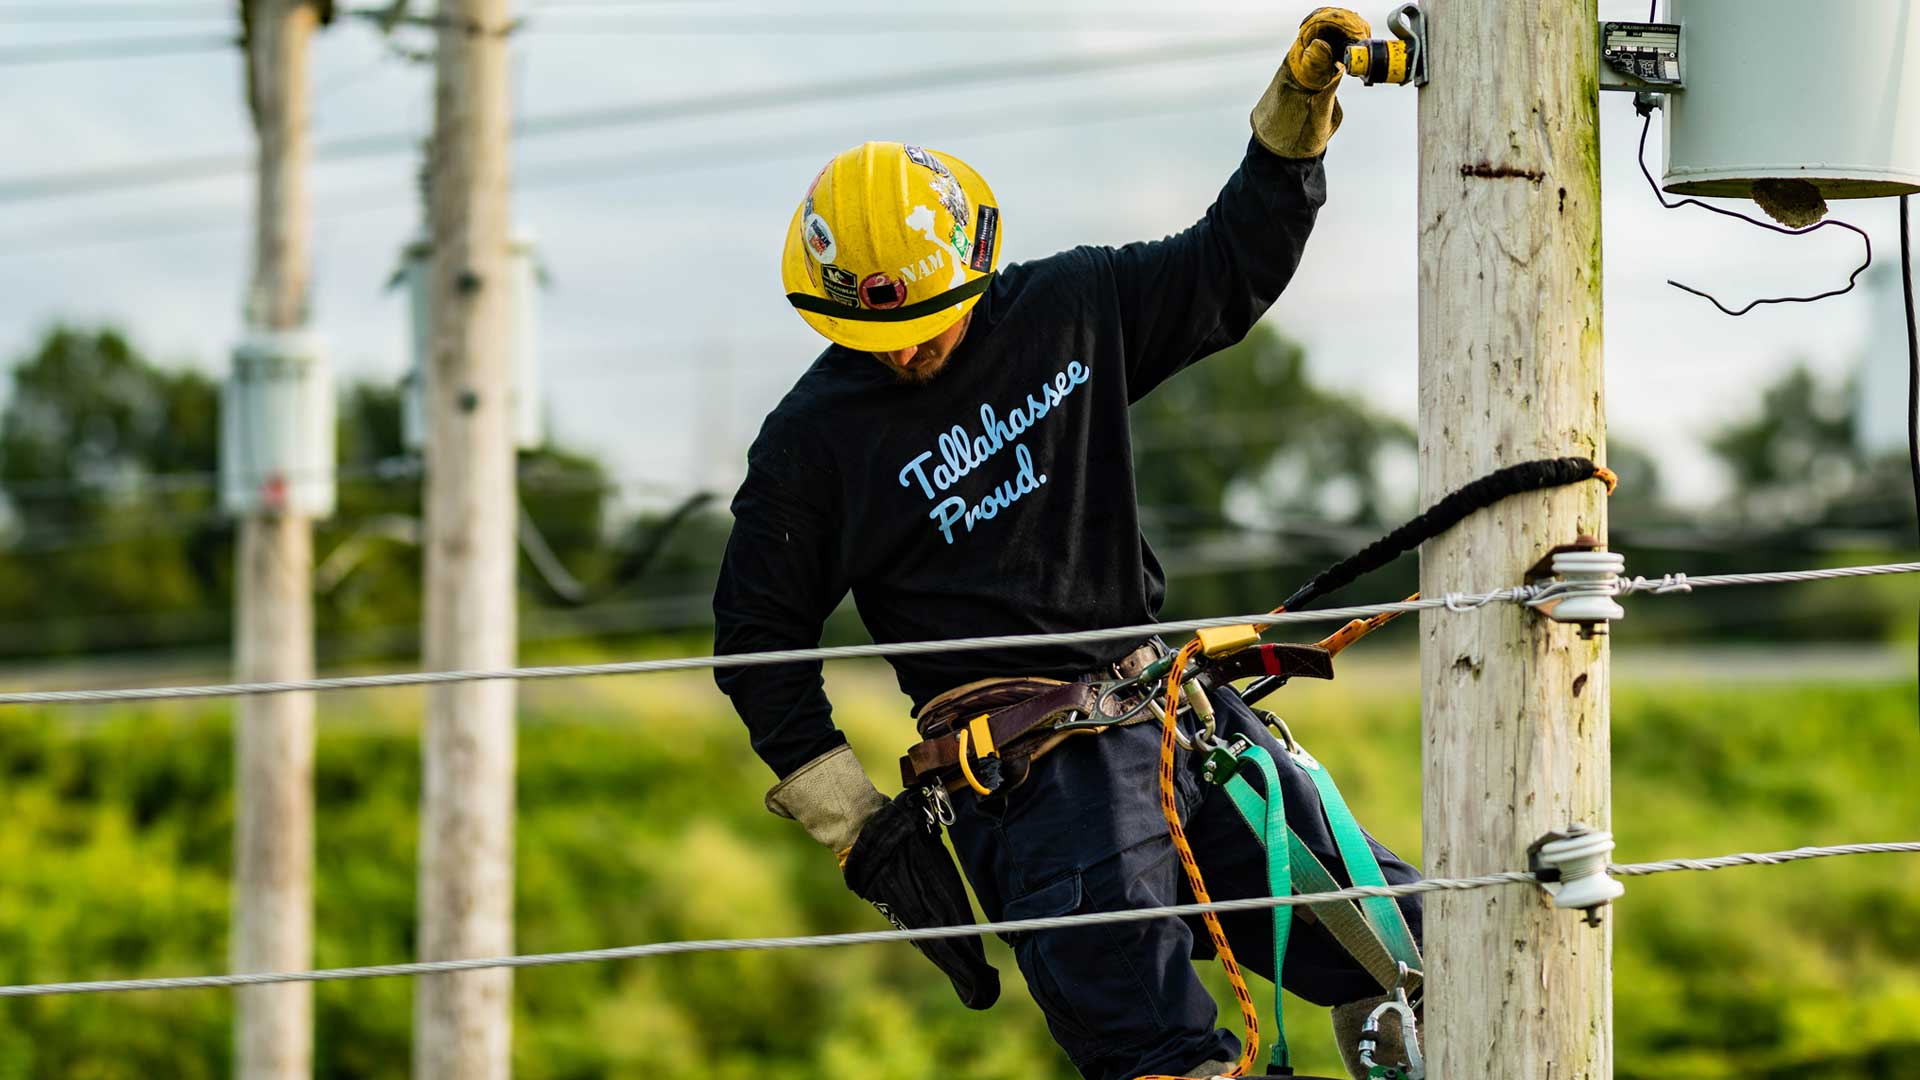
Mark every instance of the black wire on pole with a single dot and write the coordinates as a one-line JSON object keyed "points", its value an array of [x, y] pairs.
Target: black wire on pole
{"points": [[1646, 113], [1913, 368]]}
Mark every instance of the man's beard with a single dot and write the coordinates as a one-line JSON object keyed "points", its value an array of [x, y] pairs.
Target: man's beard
{"points": [[919, 374]]}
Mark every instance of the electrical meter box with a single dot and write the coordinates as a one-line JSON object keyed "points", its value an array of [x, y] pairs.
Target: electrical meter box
{"points": [[523, 275], [277, 427], [1825, 92]]}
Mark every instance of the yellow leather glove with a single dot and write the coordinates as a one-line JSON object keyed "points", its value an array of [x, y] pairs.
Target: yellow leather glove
{"points": [[1298, 114], [831, 797]]}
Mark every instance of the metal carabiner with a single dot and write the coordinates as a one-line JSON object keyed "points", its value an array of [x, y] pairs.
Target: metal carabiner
{"points": [[1415, 1067], [1107, 692], [936, 806], [1151, 703]]}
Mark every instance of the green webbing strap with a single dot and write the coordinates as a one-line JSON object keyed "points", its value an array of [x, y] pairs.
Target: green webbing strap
{"points": [[1362, 867], [1268, 820]]}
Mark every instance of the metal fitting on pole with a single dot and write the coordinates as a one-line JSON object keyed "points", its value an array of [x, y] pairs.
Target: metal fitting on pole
{"points": [[1572, 868]]}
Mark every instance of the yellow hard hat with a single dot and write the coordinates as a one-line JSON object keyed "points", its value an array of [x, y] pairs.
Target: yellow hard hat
{"points": [[892, 244]]}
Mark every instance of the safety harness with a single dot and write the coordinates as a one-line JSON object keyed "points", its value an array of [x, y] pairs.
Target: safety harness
{"points": [[993, 751]]}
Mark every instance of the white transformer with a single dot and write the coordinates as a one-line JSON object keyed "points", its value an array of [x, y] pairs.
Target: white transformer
{"points": [[1827, 92], [523, 283], [277, 427]]}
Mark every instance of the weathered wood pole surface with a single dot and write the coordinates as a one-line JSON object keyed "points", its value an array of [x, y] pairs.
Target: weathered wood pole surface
{"points": [[272, 923], [463, 1023], [1514, 707]]}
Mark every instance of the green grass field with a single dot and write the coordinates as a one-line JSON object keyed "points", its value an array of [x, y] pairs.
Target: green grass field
{"points": [[640, 820]]}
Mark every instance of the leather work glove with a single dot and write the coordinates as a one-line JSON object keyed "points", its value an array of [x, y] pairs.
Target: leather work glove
{"points": [[1298, 113], [891, 860]]}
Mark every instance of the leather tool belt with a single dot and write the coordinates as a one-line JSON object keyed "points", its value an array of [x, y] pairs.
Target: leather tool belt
{"points": [[1016, 716]]}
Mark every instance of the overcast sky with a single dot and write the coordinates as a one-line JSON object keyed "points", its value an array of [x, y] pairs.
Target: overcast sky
{"points": [[665, 333]]}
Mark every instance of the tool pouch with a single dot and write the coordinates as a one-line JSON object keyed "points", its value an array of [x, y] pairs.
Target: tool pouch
{"points": [[899, 865]]}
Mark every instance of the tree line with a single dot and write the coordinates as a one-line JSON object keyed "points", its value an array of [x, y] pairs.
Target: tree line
{"points": [[1250, 478]]}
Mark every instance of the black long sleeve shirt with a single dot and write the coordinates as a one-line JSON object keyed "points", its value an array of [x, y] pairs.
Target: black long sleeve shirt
{"points": [[997, 498]]}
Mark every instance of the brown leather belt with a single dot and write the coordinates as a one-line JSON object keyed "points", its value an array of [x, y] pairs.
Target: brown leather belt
{"points": [[1016, 715]]}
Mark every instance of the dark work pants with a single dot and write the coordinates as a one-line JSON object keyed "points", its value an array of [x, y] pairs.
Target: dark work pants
{"points": [[1085, 833]]}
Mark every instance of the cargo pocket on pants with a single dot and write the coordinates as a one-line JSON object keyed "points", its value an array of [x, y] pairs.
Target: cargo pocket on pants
{"points": [[1047, 958]]}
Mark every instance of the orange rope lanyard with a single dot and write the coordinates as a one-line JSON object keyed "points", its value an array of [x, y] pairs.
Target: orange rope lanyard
{"points": [[1249, 1015]]}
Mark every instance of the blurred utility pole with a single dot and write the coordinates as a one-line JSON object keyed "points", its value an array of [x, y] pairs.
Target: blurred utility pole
{"points": [[463, 1023], [272, 925], [1514, 706]]}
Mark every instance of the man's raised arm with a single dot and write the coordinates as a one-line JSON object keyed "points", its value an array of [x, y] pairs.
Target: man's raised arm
{"points": [[1202, 289]]}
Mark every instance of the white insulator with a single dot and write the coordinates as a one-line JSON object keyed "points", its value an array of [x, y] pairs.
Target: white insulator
{"points": [[1580, 856], [1588, 580]]}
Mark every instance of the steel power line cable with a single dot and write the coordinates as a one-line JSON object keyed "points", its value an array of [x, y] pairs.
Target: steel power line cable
{"points": [[61, 52], [875, 937], [117, 14], [1673, 584], [146, 174], [735, 152], [866, 23]]}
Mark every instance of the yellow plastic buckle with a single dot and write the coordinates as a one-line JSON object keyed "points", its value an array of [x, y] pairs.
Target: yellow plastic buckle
{"points": [[982, 733], [1227, 640]]}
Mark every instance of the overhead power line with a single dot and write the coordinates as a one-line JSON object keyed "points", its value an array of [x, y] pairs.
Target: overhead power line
{"points": [[60, 52], [114, 13], [1458, 603], [149, 173], [877, 937], [754, 149], [841, 24]]}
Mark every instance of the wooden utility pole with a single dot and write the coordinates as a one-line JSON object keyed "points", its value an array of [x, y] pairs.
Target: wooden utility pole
{"points": [[463, 1023], [272, 926], [1514, 707]]}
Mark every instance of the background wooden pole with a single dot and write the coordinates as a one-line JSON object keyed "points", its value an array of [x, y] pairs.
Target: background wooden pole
{"points": [[1514, 707], [272, 926], [463, 1023]]}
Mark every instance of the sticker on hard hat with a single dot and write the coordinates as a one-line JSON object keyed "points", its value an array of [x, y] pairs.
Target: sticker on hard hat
{"points": [[841, 285], [962, 246], [945, 187], [819, 238], [984, 234], [951, 198], [881, 292]]}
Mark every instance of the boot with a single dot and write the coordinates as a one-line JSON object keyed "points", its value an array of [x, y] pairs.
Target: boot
{"points": [[1390, 1045]]}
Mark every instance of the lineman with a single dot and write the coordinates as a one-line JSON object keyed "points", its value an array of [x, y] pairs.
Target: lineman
{"points": [[959, 460]]}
